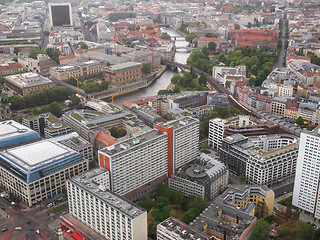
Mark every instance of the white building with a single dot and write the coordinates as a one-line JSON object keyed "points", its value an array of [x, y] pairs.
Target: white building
{"points": [[306, 187], [136, 162], [104, 211]]}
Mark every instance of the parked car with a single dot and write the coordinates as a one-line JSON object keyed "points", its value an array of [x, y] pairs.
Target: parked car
{"points": [[17, 228], [31, 229]]}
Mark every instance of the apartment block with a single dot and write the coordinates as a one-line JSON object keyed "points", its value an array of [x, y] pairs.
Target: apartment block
{"points": [[10, 67], [241, 195], [136, 163], [39, 170], [107, 213], [183, 142], [278, 106], [306, 194], [206, 178], [264, 160]]}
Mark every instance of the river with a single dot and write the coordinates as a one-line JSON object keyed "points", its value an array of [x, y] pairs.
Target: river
{"points": [[164, 81]]}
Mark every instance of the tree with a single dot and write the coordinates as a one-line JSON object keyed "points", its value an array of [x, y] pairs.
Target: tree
{"points": [[190, 37], [212, 46], [117, 132], [75, 100], [249, 25], [55, 109], [149, 28], [227, 84], [33, 53], [146, 202], [146, 68], [190, 214], [211, 35], [236, 26], [16, 50], [205, 51], [261, 230], [175, 79], [242, 179], [296, 229], [84, 46], [73, 81], [15, 59], [300, 121], [279, 46]]}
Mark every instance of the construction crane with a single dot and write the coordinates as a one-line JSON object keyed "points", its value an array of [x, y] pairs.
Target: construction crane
{"points": [[155, 37], [115, 41]]}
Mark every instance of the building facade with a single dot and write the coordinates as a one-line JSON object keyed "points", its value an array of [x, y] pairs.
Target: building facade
{"points": [[306, 188], [37, 171], [5, 110], [206, 179], [123, 72], [104, 211]]}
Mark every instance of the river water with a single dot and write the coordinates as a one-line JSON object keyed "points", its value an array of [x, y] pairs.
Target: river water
{"points": [[164, 81]]}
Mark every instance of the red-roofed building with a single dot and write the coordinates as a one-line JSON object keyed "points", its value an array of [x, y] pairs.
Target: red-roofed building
{"points": [[204, 42], [298, 59], [259, 102], [257, 38], [104, 140], [11, 67]]}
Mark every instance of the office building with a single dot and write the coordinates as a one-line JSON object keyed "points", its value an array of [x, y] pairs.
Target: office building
{"points": [[306, 186], [25, 83], [60, 14], [46, 125], [136, 163], [103, 210], [10, 68], [189, 100], [264, 160], [13, 133], [38, 170], [206, 178], [5, 110], [183, 142], [241, 195]]}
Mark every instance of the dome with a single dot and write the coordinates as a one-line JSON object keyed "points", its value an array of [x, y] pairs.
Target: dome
{"points": [[295, 30]]}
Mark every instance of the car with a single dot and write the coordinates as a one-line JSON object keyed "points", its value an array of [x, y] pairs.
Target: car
{"points": [[31, 229], [28, 222], [38, 231], [49, 205], [17, 228], [4, 229]]}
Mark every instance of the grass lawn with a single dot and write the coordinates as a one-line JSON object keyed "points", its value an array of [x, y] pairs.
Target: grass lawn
{"points": [[59, 209], [286, 202]]}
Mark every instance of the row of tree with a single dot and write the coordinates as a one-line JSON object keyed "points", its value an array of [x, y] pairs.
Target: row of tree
{"points": [[90, 85], [41, 97]]}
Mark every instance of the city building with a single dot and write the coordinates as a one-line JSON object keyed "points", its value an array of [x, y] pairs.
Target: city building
{"points": [[278, 106], [221, 73], [123, 72], [91, 202], [241, 195], [37, 171], [13, 133], [206, 178], [223, 221], [77, 69], [189, 100], [204, 42], [25, 83], [306, 187], [5, 110], [60, 14], [242, 124], [40, 65], [143, 159], [183, 142], [173, 228], [10, 67], [264, 160], [147, 114], [46, 125]]}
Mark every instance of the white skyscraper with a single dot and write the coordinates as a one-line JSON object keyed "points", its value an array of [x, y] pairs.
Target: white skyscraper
{"points": [[306, 186]]}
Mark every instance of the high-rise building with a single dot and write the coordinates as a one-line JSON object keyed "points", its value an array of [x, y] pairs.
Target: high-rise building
{"points": [[136, 162], [183, 142], [5, 111], [103, 210], [60, 14], [306, 187]]}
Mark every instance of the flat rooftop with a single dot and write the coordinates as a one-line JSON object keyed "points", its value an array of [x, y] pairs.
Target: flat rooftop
{"points": [[122, 66], [181, 122], [25, 80], [37, 154], [132, 142], [12, 132], [85, 181]]}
